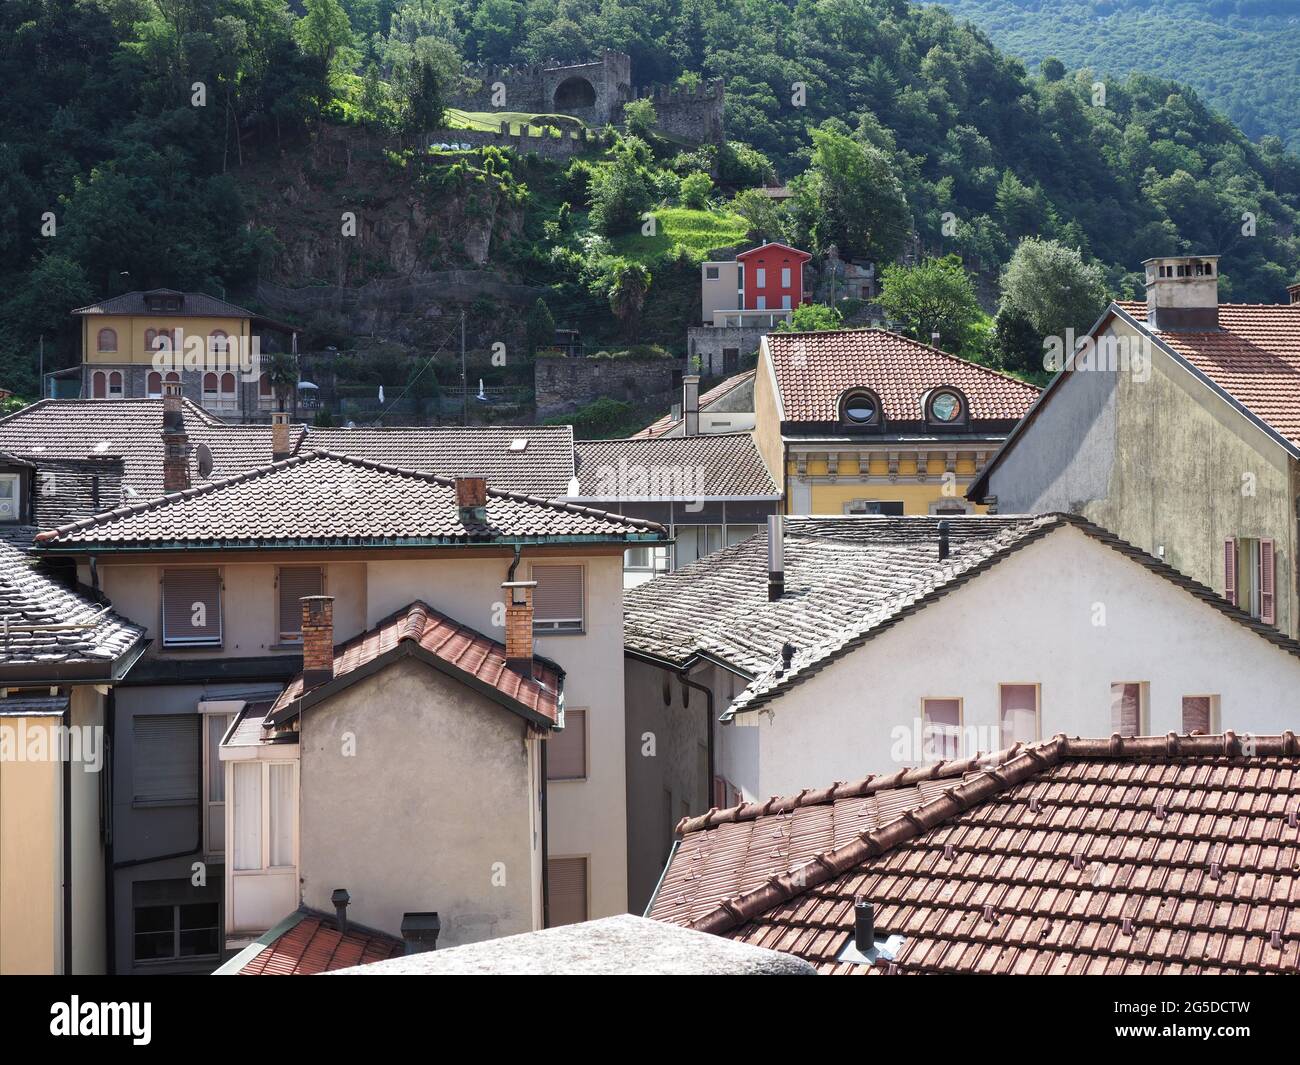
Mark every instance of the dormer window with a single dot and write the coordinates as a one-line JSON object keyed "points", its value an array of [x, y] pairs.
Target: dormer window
{"points": [[860, 407], [11, 496], [946, 406]]}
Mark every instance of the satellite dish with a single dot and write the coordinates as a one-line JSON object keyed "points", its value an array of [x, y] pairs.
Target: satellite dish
{"points": [[204, 455]]}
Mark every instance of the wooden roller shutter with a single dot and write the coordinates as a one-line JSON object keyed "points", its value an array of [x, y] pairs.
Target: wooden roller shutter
{"points": [[192, 607]]}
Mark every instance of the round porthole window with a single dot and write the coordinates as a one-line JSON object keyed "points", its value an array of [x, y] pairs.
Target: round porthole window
{"points": [[861, 408], [946, 407]]}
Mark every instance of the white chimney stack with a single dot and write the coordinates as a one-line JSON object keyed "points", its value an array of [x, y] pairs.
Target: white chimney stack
{"points": [[1183, 293]]}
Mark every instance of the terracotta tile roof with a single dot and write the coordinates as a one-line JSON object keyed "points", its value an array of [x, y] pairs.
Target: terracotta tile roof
{"points": [[322, 499], [464, 652], [814, 369], [193, 304], [1134, 856], [1255, 358], [543, 466], [313, 945], [667, 423], [721, 465], [31, 602], [846, 581], [130, 430]]}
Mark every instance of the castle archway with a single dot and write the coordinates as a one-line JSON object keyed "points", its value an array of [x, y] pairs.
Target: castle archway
{"points": [[574, 94]]}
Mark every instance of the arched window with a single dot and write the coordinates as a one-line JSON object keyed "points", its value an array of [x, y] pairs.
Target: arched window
{"points": [[162, 340], [946, 406], [859, 408], [228, 387], [264, 385], [153, 384], [209, 390], [107, 340], [115, 385], [150, 335], [99, 385], [218, 342]]}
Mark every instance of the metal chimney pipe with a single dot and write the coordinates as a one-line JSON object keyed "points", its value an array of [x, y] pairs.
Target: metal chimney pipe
{"points": [[420, 931], [340, 898], [864, 925], [775, 557], [943, 539]]}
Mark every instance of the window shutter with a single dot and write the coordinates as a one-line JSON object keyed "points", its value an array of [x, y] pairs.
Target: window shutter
{"points": [[1267, 611], [557, 600], [192, 607], [1126, 709], [567, 892], [295, 583], [1230, 571], [98, 384], [165, 758], [1196, 714], [566, 751]]}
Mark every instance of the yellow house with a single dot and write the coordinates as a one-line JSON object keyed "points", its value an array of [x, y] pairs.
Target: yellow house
{"points": [[866, 421], [60, 654], [132, 344]]}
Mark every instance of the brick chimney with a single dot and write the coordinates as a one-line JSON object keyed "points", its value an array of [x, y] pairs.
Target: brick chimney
{"points": [[176, 442], [519, 626], [317, 640], [279, 435], [471, 499], [691, 405], [1183, 293]]}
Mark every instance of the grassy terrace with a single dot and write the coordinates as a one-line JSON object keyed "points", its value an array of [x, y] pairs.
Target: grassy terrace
{"points": [[696, 231]]}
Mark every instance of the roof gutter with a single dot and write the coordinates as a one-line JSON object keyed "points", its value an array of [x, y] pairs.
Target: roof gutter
{"points": [[47, 675], [83, 547]]}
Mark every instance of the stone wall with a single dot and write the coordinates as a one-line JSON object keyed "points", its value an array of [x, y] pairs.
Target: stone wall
{"points": [[594, 92], [691, 114], [710, 343], [564, 385], [550, 143]]}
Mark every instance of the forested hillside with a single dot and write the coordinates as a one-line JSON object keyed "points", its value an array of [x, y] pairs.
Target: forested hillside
{"points": [[886, 118], [1243, 56]]}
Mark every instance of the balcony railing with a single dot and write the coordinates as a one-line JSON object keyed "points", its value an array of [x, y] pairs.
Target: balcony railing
{"points": [[751, 319]]}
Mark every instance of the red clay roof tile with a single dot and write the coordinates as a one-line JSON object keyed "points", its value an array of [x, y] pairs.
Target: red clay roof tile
{"points": [[314, 945]]}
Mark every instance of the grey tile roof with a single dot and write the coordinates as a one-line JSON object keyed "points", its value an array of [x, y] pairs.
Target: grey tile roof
{"points": [[130, 430], [25, 705], [543, 466], [673, 467], [846, 580], [193, 304], [325, 500], [31, 602]]}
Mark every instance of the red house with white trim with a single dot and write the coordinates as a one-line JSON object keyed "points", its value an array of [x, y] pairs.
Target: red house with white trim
{"points": [[772, 277]]}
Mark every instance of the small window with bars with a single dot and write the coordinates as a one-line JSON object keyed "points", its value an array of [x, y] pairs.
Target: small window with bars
{"points": [[295, 582], [558, 599], [566, 750], [191, 607]]}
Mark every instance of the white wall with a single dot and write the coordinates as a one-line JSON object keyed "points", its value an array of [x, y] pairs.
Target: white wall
{"points": [[1030, 619]]}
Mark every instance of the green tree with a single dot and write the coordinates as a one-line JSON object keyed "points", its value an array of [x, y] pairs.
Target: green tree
{"points": [[812, 318], [639, 118], [283, 372], [539, 327], [1052, 287], [424, 103], [621, 191], [851, 196], [325, 34], [1019, 347], [629, 286], [935, 296], [695, 190]]}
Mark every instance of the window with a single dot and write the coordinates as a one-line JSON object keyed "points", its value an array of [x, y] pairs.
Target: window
{"points": [[760, 277], [785, 303], [650, 559], [153, 383], [218, 342], [710, 273], [785, 277], [1126, 709], [1019, 713], [173, 378], [567, 894], [566, 751], [736, 533], [951, 506], [558, 599], [265, 393], [1248, 577], [99, 385], [761, 303], [860, 407], [107, 340], [873, 506], [295, 582], [165, 759], [191, 608], [159, 339], [941, 729], [188, 930], [265, 831], [214, 782], [696, 541], [11, 496], [1201, 714], [227, 390], [115, 385], [946, 407], [209, 390]]}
